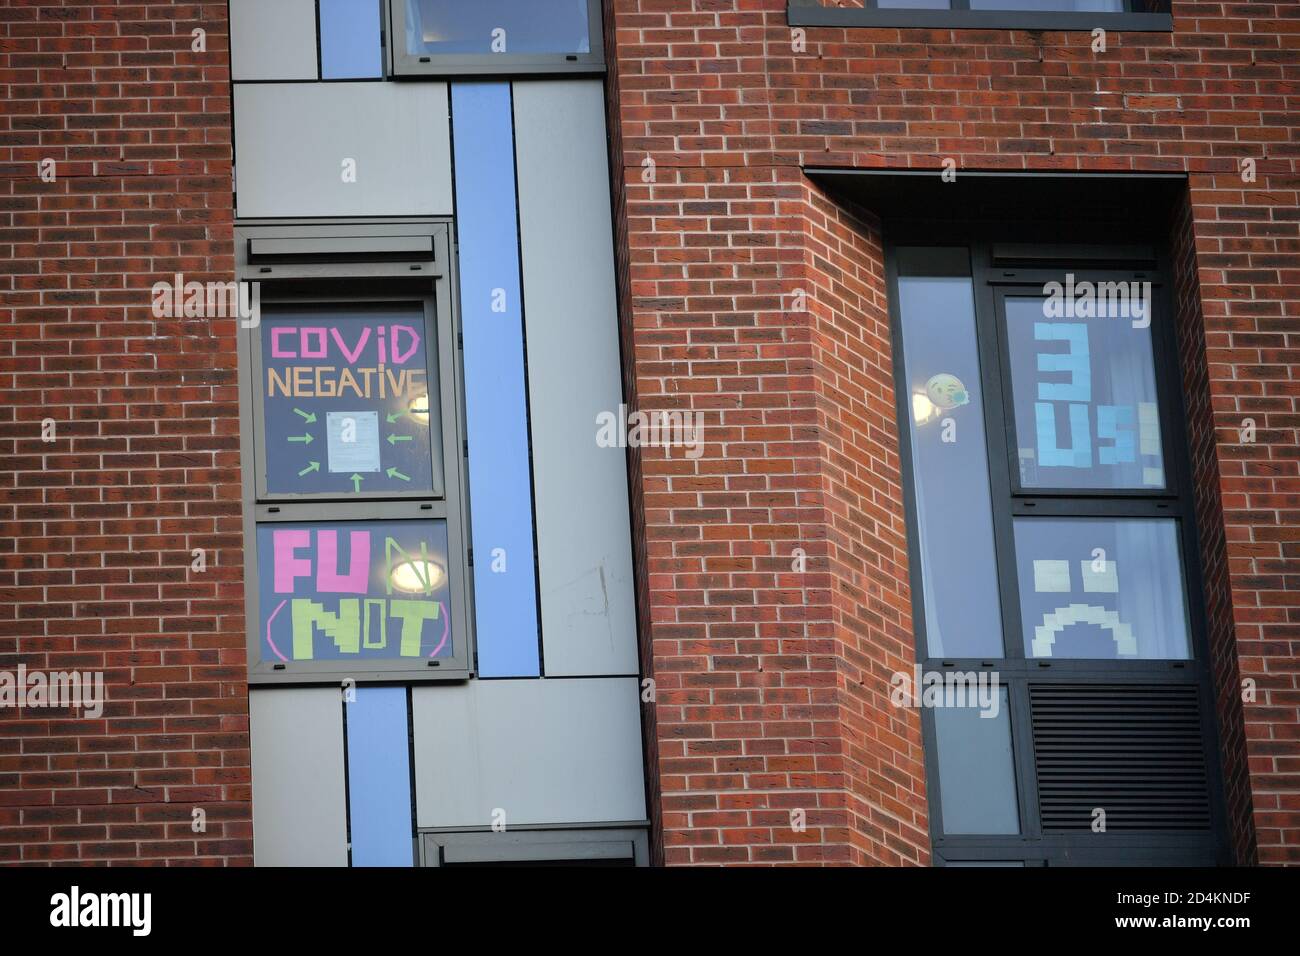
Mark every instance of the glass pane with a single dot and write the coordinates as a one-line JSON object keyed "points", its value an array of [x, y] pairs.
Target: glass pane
{"points": [[950, 469], [913, 4], [1070, 6], [528, 27], [349, 405], [1109, 588], [1084, 388], [353, 590], [977, 775], [349, 39]]}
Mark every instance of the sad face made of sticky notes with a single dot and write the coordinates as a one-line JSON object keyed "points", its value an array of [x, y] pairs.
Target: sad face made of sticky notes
{"points": [[1097, 577]]}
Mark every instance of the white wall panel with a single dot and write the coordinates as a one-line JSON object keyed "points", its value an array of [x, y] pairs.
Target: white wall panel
{"points": [[292, 141], [544, 751], [299, 806], [273, 39], [571, 319]]}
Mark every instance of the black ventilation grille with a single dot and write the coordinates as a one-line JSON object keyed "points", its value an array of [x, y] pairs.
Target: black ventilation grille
{"points": [[1133, 750]]}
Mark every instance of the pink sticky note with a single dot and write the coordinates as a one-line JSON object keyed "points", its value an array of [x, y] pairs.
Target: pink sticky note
{"points": [[284, 542], [328, 579]]}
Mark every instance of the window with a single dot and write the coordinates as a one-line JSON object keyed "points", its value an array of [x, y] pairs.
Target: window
{"points": [[356, 557], [496, 36], [560, 846], [1053, 550], [1150, 15]]}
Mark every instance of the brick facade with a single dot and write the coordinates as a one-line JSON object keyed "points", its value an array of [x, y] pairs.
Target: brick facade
{"points": [[773, 570], [98, 526], [771, 682]]}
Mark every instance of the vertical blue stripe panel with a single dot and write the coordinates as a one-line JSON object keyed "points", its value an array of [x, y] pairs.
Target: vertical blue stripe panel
{"points": [[349, 40], [379, 778], [500, 486]]}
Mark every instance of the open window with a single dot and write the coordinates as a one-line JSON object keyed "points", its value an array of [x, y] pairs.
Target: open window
{"points": [[496, 36], [356, 556]]}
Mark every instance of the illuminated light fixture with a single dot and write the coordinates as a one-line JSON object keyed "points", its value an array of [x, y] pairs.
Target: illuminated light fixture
{"points": [[922, 408], [419, 409], [418, 577]]}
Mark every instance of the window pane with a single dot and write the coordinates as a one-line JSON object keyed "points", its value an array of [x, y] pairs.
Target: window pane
{"points": [[349, 39], [1079, 6], [977, 775], [496, 26], [1109, 588], [353, 590], [913, 4], [1085, 390], [349, 404], [950, 469]]}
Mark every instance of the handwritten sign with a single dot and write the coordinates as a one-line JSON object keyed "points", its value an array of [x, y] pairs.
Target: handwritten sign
{"points": [[1085, 399], [353, 590], [346, 400]]}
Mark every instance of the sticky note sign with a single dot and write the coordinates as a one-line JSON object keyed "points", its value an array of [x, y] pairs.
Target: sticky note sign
{"points": [[354, 590], [347, 400]]}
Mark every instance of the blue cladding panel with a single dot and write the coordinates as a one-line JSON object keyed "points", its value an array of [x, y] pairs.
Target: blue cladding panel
{"points": [[496, 411], [349, 39], [379, 778]]}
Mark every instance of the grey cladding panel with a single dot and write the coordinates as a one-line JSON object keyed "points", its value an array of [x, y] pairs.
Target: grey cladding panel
{"points": [[299, 806], [294, 143], [544, 751], [571, 318], [273, 39]]}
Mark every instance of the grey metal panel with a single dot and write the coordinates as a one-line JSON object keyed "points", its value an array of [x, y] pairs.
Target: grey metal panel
{"points": [[273, 39], [583, 528], [291, 141], [545, 751], [299, 806], [354, 246]]}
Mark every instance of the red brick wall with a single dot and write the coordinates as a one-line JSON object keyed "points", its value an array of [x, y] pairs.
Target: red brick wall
{"points": [[761, 705], [97, 527]]}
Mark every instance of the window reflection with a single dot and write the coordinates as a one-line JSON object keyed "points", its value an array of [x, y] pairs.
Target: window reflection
{"points": [[1107, 588], [977, 776], [950, 469], [497, 26], [1083, 377]]}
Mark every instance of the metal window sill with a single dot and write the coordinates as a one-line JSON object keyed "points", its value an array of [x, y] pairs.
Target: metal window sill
{"points": [[815, 15]]}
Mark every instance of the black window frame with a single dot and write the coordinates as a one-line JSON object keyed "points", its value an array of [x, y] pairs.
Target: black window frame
{"points": [[1002, 259], [404, 64], [812, 13], [343, 262]]}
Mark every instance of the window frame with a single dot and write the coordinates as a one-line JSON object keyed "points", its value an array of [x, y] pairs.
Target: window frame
{"points": [[437, 330], [811, 13], [986, 243], [527, 846], [403, 64], [311, 278]]}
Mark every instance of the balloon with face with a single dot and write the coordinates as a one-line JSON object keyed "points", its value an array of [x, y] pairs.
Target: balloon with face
{"points": [[946, 391]]}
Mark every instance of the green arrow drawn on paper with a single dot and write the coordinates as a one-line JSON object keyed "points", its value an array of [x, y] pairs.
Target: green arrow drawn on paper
{"points": [[394, 439], [305, 439], [356, 482], [310, 419], [311, 466], [394, 473]]}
